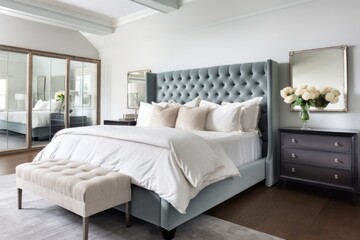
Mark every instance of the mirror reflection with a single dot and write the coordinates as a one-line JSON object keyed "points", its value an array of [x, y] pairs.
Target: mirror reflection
{"points": [[136, 85], [323, 67], [13, 124]]}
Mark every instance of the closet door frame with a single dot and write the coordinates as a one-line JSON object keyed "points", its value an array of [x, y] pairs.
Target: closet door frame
{"points": [[29, 81]]}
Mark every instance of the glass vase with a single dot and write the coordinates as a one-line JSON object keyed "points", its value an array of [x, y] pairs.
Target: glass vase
{"points": [[305, 117]]}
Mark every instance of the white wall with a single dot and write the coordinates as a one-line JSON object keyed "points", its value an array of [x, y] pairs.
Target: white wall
{"points": [[212, 32], [38, 36]]}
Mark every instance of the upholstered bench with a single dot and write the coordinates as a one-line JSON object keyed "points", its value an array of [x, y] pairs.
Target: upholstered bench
{"points": [[81, 188]]}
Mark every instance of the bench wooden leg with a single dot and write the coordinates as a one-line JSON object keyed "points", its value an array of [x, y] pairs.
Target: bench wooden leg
{"points": [[19, 195], [85, 228], [128, 213]]}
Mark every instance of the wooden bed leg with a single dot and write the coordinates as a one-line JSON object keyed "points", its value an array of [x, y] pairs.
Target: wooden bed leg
{"points": [[168, 235], [19, 193], [128, 213]]}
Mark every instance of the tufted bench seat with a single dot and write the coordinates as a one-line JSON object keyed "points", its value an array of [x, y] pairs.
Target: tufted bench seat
{"points": [[81, 188]]}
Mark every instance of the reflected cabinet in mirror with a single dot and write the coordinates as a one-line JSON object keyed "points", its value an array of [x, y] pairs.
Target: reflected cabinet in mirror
{"points": [[322, 67]]}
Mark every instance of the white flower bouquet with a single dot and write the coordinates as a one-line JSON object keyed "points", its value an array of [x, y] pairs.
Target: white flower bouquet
{"points": [[60, 96], [308, 96]]}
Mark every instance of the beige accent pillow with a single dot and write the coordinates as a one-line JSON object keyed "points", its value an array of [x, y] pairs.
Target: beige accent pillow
{"points": [[191, 118], [164, 117]]}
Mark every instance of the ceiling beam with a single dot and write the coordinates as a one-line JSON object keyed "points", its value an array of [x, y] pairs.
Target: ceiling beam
{"points": [[164, 6], [55, 16]]}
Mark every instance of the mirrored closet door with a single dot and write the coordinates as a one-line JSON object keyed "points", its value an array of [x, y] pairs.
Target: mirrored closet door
{"points": [[42, 93], [48, 98], [83, 94], [13, 121]]}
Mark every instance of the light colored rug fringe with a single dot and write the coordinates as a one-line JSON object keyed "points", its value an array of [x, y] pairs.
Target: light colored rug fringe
{"points": [[40, 220]]}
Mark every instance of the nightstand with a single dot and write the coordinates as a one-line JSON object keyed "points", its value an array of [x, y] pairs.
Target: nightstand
{"points": [[326, 158], [57, 122], [120, 122]]}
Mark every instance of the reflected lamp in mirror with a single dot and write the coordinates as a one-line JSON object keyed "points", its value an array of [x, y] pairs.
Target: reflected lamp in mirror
{"points": [[136, 89], [322, 67], [20, 101]]}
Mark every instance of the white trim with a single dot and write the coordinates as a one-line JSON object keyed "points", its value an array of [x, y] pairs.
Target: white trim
{"points": [[50, 15], [164, 6], [133, 17]]}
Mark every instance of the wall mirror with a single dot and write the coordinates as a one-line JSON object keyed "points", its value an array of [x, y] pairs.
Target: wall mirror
{"points": [[136, 85], [322, 67]]}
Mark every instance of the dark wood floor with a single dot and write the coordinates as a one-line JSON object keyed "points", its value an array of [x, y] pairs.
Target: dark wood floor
{"points": [[293, 212], [9, 162]]}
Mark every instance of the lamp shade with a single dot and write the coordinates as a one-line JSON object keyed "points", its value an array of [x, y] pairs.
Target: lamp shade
{"points": [[73, 93], [20, 96], [135, 87]]}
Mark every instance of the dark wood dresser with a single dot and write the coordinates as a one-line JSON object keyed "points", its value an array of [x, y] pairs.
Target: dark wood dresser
{"points": [[326, 158]]}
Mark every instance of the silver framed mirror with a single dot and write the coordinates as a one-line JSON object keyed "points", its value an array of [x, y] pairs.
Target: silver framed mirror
{"points": [[136, 88], [321, 67]]}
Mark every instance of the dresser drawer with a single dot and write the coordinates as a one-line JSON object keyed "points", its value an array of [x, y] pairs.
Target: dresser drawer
{"points": [[318, 174], [331, 143], [317, 158]]}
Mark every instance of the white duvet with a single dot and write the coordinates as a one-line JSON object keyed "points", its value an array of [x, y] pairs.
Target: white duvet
{"points": [[39, 118], [174, 163]]}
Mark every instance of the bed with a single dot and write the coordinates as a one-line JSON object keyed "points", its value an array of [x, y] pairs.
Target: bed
{"points": [[231, 83], [42, 114], [15, 121]]}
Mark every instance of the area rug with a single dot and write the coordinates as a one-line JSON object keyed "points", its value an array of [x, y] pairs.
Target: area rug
{"points": [[41, 220]]}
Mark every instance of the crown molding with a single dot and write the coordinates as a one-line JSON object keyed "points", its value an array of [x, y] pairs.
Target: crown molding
{"points": [[42, 13]]}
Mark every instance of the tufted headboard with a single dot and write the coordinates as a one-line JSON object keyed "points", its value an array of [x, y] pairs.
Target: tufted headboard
{"points": [[230, 83]]}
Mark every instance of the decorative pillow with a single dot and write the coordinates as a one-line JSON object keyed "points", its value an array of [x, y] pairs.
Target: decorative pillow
{"points": [[250, 115], [224, 118], [164, 117], [144, 115], [191, 118]]}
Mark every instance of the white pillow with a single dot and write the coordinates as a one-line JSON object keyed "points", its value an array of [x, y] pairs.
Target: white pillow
{"points": [[204, 103], [53, 105], [250, 113], [144, 115], [161, 104], [193, 103], [224, 118], [40, 105]]}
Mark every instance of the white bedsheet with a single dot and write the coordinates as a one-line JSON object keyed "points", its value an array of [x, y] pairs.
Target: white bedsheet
{"points": [[175, 164], [241, 148], [39, 118]]}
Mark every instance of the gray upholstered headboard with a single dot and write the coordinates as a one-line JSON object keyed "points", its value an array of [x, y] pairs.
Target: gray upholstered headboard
{"points": [[231, 83]]}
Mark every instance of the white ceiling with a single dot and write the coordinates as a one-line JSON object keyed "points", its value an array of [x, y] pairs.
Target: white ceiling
{"points": [[90, 16]]}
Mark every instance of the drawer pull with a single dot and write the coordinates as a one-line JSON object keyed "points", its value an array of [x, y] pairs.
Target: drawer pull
{"points": [[336, 177], [293, 140], [336, 144], [337, 160], [293, 155], [292, 169]]}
